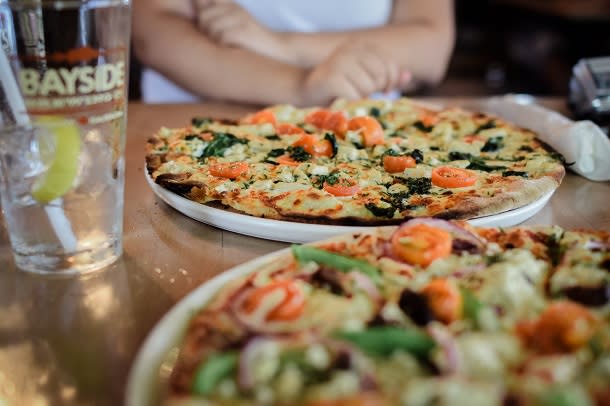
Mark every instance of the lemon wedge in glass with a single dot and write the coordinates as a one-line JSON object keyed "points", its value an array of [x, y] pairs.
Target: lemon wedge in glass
{"points": [[61, 159]]}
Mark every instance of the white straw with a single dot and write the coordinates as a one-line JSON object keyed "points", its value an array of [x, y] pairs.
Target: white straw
{"points": [[57, 217]]}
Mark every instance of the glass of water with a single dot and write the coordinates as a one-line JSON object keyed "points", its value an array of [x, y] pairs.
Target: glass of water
{"points": [[63, 92]]}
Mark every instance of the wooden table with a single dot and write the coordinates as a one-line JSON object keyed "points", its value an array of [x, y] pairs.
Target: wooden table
{"points": [[72, 341]]}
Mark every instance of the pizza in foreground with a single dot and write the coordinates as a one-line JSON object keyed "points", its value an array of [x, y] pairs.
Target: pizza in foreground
{"points": [[431, 312], [362, 162]]}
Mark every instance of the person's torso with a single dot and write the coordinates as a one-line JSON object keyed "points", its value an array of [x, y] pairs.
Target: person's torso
{"points": [[318, 15]]}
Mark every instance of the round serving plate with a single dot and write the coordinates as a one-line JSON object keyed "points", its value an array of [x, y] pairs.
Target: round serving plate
{"points": [[150, 370]]}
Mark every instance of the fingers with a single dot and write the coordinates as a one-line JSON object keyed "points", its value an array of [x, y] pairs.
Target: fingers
{"points": [[199, 4], [348, 89], [208, 15], [361, 79], [405, 79], [375, 70], [221, 28], [228, 24], [218, 19], [387, 72]]}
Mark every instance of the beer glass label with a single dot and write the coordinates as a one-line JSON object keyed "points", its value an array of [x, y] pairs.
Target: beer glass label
{"points": [[74, 87]]}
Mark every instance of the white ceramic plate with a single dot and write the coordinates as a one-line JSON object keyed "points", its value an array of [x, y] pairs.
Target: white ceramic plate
{"points": [[301, 232], [149, 371]]}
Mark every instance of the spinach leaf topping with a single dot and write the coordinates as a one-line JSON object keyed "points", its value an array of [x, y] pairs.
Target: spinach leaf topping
{"points": [[458, 156], [319, 180], [422, 127], [434, 148], [486, 126], [220, 143], [333, 142], [514, 173], [419, 186], [399, 201], [381, 211], [298, 154], [199, 121], [273, 137], [417, 155], [391, 152], [479, 164], [493, 144], [191, 137], [526, 148], [332, 178], [559, 157], [274, 153], [555, 155], [375, 112]]}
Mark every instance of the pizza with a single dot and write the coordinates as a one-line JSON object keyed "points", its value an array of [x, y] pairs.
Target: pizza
{"points": [[432, 312], [368, 162]]}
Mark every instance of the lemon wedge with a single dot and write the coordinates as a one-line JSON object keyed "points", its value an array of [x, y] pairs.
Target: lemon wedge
{"points": [[62, 160]]}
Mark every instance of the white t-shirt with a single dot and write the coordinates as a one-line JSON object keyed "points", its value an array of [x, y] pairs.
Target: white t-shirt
{"points": [[284, 16]]}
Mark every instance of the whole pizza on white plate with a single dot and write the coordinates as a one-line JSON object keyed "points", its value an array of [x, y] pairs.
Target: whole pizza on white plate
{"points": [[366, 162], [430, 312]]}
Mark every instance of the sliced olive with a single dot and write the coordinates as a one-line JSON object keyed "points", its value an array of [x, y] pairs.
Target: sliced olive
{"points": [[605, 264], [593, 296], [458, 245], [329, 279], [415, 306]]}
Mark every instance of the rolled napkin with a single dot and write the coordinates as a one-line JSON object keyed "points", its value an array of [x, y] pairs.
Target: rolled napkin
{"points": [[580, 142]]}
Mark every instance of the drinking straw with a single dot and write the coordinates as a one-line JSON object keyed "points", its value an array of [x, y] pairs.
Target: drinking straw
{"points": [[55, 213]]}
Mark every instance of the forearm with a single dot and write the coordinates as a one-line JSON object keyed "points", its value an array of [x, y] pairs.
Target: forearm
{"points": [[173, 46], [419, 37], [420, 48]]}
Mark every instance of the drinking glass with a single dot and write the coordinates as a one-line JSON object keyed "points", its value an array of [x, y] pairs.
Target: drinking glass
{"points": [[63, 92]]}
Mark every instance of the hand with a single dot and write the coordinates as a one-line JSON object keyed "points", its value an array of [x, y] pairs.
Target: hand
{"points": [[226, 23], [354, 70]]}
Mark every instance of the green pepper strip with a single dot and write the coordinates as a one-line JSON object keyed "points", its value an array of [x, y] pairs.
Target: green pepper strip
{"points": [[212, 371], [384, 341], [471, 305], [570, 395], [304, 253]]}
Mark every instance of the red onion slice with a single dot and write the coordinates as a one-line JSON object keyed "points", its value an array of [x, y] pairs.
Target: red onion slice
{"points": [[389, 252], [247, 357], [597, 246], [364, 283], [447, 343]]}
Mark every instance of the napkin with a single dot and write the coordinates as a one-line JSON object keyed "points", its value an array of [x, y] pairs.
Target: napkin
{"points": [[581, 142]]}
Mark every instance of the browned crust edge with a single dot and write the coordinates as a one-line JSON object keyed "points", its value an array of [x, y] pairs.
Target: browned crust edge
{"points": [[525, 191], [528, 191]]}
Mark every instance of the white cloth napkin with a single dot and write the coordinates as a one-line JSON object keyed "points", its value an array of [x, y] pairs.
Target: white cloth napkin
{"points": [[581, 142]]}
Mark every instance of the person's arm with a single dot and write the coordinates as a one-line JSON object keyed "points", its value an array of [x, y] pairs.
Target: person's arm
{"points": [[166, 39], [420, 36]]}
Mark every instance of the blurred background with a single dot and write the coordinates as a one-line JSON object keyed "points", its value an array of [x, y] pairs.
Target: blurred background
{"points": [[517, 46]]}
